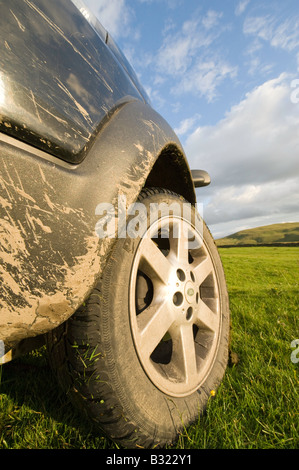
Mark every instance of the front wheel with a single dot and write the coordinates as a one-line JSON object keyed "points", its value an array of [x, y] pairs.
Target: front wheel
{"points": [[143, 354]]}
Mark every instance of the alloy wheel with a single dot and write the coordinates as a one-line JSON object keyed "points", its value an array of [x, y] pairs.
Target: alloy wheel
{"points": [[174, 306]]}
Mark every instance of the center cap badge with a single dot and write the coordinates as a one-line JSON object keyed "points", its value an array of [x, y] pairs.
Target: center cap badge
{"points": [[189, 292]]}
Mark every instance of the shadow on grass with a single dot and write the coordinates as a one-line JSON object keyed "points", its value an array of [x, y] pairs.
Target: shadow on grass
{"points": [[32, 403]]}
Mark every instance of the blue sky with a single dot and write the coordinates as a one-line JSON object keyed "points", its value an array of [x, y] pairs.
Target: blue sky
{"points": [[225, 75]]}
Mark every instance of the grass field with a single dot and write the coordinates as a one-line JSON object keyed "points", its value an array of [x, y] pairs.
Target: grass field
{"points": [[255, 407]]}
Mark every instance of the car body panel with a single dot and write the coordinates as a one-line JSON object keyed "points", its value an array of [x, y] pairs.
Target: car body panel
{"points": [[76, 130], [50, 253], [58, 77]]}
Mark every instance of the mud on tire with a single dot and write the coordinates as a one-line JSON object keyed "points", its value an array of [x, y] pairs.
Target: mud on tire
{"points": [[143, 353]]}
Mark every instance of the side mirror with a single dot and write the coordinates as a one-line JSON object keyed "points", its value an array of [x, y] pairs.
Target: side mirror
{"points": [[200, 178]]}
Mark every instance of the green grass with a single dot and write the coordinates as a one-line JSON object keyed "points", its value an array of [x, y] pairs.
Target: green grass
{"points": [[266, 235], [256, 405]]}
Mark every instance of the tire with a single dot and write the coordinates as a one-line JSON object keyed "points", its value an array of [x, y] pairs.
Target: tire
{"points": [[144, 352]]}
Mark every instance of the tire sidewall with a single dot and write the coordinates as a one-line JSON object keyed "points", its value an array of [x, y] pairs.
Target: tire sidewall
{"points": [[142, 401]]}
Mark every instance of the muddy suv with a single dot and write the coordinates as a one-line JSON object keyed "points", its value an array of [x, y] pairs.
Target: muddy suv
{"points": [[103, 253]]}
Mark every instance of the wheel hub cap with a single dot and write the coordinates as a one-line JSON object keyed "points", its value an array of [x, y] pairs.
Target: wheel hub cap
{"points": [[189, 292], [176, 333]]}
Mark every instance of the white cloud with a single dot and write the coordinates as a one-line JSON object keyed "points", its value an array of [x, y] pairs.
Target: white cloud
{"points": [[211, 19], [255, 62], [175, 55], [181, 47], [286, 35], [252, 157], [281, 34], [172, 4], [241, 7], [234, 203], [260, 26], [186, 125], [186, 55], [115, 15], [205, 77]]}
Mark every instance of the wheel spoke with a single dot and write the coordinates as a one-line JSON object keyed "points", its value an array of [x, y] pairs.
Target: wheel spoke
{"points": [[179, 241], [202, 270], [206, 318], [153, 323], [184, 355], [153, 263]]}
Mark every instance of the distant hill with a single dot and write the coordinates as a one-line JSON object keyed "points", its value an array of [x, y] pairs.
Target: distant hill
{"points": [[277, 234]]}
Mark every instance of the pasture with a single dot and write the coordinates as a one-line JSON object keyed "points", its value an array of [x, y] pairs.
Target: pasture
{"points": [[256, 406]]}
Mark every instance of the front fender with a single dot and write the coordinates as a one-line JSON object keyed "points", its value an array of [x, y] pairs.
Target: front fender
{"points": [[50, 254]]}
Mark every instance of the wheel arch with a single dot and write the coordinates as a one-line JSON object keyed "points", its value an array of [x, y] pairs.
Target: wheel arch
{"points": [[171, 171]]}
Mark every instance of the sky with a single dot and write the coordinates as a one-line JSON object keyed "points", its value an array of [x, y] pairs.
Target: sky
{"points": [[225, 75]]}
